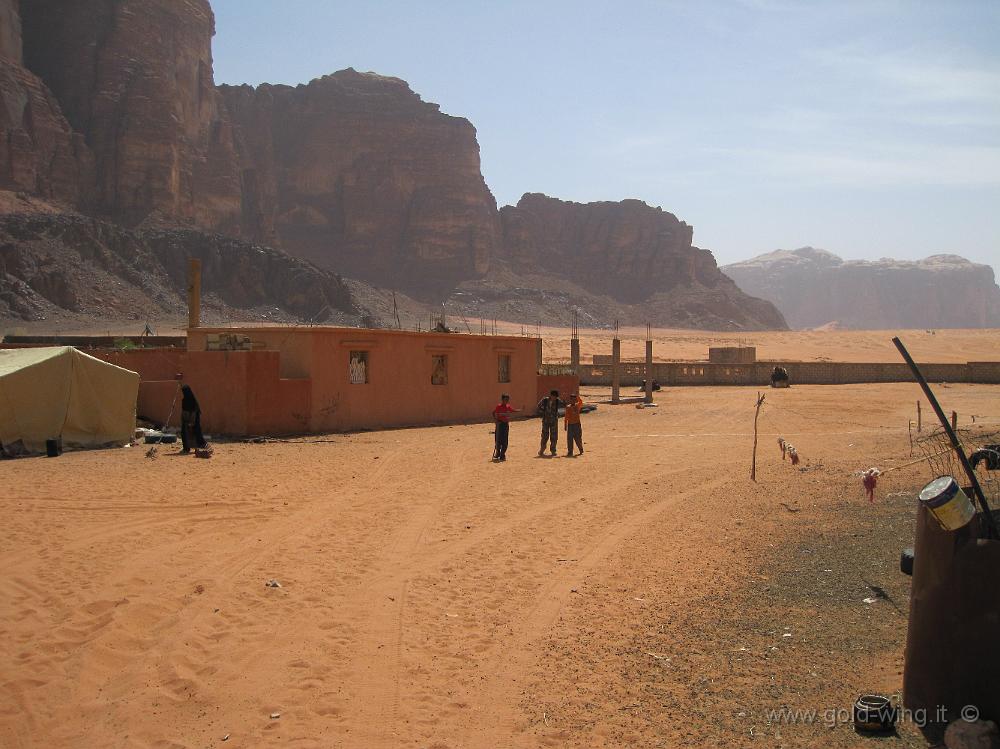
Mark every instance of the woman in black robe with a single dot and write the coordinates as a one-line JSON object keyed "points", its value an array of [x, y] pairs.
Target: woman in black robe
{"points": [[190, 420]]}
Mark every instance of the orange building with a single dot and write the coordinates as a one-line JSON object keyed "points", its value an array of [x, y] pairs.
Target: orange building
{"points": [[293, 380]]}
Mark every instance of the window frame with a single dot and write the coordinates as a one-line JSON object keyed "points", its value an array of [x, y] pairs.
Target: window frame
{"points": [[500, 369], [444, 362], [363, 353]]}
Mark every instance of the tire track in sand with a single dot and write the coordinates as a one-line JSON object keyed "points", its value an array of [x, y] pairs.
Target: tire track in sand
{"points": [[519, 648]]}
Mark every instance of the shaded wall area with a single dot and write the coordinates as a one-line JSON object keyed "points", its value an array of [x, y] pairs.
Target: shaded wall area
{"points": [[240, 392]]}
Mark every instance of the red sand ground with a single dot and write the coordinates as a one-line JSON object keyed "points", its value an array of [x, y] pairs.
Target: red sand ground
{"points": [[645, 594]]}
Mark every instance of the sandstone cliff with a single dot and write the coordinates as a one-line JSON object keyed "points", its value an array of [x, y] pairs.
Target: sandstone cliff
{"points": [[352, 171], [814, 287], [355, 172], [58, 266], [10, 30], [134, 77], [39, 152], [631, 254]]}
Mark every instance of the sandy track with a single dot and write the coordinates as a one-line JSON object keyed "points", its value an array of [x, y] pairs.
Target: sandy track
{"points": [[431, 598]]}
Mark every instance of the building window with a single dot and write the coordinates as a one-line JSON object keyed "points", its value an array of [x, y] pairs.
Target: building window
{"points": [[503, 368], [439, 369], [358, 369]]}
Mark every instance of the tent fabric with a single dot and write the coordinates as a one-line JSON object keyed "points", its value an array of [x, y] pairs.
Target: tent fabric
{"points": [[59, 392]]}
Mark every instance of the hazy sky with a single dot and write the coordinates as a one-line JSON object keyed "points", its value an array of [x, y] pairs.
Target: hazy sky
{"points": [[870, 128]]}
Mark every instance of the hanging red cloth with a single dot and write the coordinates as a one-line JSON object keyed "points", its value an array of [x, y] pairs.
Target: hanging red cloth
{"points": [[870, 480]]}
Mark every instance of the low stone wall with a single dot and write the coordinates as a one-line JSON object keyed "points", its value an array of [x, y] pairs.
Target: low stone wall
{"points": [[800, 373]]}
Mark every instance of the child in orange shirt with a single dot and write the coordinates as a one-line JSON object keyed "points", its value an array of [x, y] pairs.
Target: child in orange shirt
{"points": [[574, 429]]}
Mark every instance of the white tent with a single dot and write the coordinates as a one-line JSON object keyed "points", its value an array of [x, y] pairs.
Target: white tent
{"points": [[53, 393]]}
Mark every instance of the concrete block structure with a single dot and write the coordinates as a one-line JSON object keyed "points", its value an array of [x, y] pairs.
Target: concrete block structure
{"points": [[732, 354]]}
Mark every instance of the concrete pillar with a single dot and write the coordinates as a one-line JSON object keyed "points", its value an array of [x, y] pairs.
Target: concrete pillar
{"points": [[194, 293], [574, 355], [649, 372], [616, 356]]}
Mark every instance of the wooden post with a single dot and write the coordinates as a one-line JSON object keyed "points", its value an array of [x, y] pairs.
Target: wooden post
{"points": [[194, 292], [616, 355], [756, 414], [648, 398], [574, 344], [919, 420], [954, 419], [909, 432]]}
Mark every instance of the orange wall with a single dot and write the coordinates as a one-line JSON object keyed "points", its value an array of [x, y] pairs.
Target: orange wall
{"points": [[399, 391], [296, 380], [239, 392]]}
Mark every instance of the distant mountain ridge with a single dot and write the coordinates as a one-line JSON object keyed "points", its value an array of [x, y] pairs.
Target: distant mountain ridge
{"points": [[814, 287]]}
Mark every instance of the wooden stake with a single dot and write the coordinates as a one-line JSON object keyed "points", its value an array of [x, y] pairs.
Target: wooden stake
{"points": [[954, 419], [616, 356], [909, 432], [753, 465], [919, 420]]}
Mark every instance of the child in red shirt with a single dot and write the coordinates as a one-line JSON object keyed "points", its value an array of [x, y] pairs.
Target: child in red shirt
{"points": [[501, 417]]}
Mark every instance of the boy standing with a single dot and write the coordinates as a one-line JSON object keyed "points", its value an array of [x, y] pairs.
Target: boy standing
{"points": [[501, 418], [548, 407], [574, 429]]}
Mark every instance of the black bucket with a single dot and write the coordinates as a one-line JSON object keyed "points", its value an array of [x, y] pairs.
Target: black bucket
{"points": [[53, 448]]}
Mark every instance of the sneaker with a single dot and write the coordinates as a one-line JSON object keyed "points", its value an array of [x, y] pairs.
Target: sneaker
{"points": [[541, 453]]}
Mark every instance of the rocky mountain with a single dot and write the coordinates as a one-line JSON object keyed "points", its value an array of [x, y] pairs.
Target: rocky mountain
{"points": [[39, 151], [620, 255], [355, 172], [814, 287], [135, 79], [628, 250], [352, 171], [10, 30], [64, 267], [109, 108]]}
